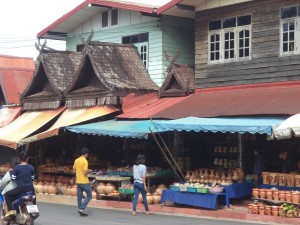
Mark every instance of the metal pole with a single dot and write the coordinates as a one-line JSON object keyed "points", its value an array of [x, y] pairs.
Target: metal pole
{"points": [[240, 137]]}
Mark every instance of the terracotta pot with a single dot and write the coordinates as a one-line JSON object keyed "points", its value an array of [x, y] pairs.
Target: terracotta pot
{"points": [[262, 193], [68, 190], [281, 179], [266, 176], [150, 199], [52, 189], [156, 198], [101, 188], [250, 208], [289, 215], [261, 210], [160, 189], [73, 190], [255, 209], [268, 210], [45, 188], [295, 197], [269, 194], [282, 195], [297, 180], [275, 195], [275, 210], [288, 196], [255, 192], [63, 189], [273, 179], [290, 180], [39, 187], [94, 195], [109, 188], [59, 185]]}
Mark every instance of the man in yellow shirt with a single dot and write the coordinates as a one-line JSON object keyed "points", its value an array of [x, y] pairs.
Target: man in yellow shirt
{"points": [[83, 185]]}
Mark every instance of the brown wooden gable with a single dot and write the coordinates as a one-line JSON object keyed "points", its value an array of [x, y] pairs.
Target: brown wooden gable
{"points": [[108, 72], [54, 71], [87, 90], [180, 81]]}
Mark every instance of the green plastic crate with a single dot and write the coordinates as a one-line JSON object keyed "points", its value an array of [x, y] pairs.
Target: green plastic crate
{"points": [[202, 190]]}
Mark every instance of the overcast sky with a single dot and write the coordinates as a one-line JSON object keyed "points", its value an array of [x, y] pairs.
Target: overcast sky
{"points": [[21, 20]]}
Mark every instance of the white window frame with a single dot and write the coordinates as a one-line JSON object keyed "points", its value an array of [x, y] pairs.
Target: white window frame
{"points": [[145, 54], [236, 57], [296, 20], [109, 19]]}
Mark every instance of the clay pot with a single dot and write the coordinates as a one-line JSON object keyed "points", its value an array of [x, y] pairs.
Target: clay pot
{"points": [[262, 193], [101, 188], [268, 210], [288, 196], [52, 189], [63, 189], [73, 190], [250, 208], [109, 188], [156, 198], [295, 197], [290, 180], [94, 195], [261, 209], [58, 185], [45, 188], [254, 209], [289, 214], [275, 210], [266, 176], [282, 196], [275, 195], [269, 194], [149, 199], [68, 190], [297, 180], [160, 189], [66, 180], [281, 179], [255, 192], [273, 178], [39, 187]]}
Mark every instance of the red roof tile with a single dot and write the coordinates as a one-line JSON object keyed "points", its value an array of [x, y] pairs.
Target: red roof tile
{"points": [[258, 99], [146, 106], [15, 74]]}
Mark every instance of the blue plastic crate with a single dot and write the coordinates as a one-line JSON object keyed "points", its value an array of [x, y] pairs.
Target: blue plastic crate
{"points": [[191, 189]]}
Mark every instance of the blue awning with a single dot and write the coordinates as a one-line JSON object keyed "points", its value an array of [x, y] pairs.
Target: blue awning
{"points": [[260, 125], [116, 128]]}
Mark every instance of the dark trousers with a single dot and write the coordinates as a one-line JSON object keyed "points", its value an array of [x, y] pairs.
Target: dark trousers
{"points": [[11, 195]]}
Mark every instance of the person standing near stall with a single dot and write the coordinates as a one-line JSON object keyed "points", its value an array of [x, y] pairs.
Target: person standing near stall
{"points": [[82, 181], [139, 176]]}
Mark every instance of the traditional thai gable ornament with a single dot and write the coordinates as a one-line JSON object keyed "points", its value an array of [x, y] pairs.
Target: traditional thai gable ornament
{"points": [[180, 80], [54, 71], [108, 72]]}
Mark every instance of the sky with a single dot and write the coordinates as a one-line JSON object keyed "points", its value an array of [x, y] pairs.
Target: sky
{"points": [[21, 20]]}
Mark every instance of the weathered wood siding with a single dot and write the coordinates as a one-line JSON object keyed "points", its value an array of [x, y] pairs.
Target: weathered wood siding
{"points": [[178, 34], [266, 64]]}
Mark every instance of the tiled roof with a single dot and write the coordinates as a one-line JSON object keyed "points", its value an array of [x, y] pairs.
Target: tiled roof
{"points": [[180, 81], [54, 72], [15, 74], [107, 72]]}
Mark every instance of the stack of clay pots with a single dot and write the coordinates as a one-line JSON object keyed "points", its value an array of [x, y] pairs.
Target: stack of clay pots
{"points": [[276, 195], [281, 179]]}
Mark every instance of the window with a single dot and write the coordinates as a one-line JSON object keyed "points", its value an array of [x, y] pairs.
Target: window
{"points": [[230, 39], [290, 30], [141, 42], [114, 17], [105, 19], [110, 18]]}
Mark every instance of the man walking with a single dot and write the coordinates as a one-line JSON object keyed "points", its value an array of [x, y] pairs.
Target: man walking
{"points": [[82, 181]]}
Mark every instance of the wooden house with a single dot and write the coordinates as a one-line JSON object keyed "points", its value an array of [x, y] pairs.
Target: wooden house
{"points": [[243, 42], [127, 23]]}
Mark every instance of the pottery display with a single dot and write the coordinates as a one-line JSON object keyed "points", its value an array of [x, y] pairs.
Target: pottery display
{"points": [[295, 197], [290, 180], [273, 178], [52, 189], [282, 179], [73, 190], [265, 176], [262, 193], [101, 188], [150, 199], [288, 196], [160, 189], [275, 210], [297, 180], [156, 198]]}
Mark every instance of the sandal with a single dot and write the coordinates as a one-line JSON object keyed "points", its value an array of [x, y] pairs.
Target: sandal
{"points": [[133, 213], [149, 213]]}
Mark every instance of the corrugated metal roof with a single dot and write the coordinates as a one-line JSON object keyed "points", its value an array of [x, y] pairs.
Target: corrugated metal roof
{"points": [[15, 74], [259, 99], [146, 106]]}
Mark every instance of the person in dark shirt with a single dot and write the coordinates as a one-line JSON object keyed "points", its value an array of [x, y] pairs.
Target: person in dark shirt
{"points": [[23, 175]]}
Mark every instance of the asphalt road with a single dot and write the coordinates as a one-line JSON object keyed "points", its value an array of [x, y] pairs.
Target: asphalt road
{"points": [[67, 215]]}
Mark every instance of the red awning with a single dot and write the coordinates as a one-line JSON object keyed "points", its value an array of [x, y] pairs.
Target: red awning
{"points": [[145, 106], [281, 98], [8, 114]]}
